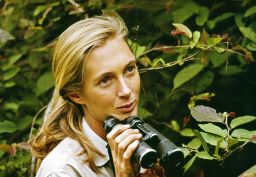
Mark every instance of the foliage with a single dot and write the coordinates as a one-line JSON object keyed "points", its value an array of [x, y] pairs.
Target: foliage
{"points": [[215, 141], [180, 68]]}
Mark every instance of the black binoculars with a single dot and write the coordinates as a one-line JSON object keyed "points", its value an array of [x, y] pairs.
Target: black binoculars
{"points": [[153, 145]]}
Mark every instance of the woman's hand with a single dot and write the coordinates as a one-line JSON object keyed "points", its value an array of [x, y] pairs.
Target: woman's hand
{"points": [[123, 142]]}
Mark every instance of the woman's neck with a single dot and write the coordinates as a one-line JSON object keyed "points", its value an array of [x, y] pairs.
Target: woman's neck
{"points": [[97, 127]]}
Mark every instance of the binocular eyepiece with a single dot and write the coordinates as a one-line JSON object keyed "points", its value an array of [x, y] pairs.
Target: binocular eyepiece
{"points": [[153, 144]]}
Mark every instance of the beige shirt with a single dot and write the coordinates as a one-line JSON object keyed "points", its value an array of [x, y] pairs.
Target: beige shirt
{"points": [[63, 160]]}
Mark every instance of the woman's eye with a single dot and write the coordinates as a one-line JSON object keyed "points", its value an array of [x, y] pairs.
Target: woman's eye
{"points": [[105, 81], [131, 69]]}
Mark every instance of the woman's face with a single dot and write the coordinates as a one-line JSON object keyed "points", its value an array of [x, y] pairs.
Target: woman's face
{"points": [[112, 83]]}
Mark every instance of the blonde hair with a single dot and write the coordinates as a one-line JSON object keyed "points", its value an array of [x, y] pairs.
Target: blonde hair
{"points": [[63, 118]]}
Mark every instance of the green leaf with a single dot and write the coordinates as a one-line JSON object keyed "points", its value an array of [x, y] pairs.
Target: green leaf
{"points": [[185, 151], [230, 70], [24, 123], [181, 14], [217, 59], [188, 132], [223, 16], [13, 59], [241, 133], [183, 29], [216, 150], [239, 20], [189, 163], [157, 61], [186, 74], [251, 46], [175, 126], [194, 143], [211, 128], [5, 36], [250, 11], [7, 127], [211, 24], [145, 61], [205, 114], [44, 83], [11, 106], [204, 81], [213, 41], [199, 135], [196, 37], [202, 16], [241, 120], [204, 155], [137, 50], [10, 73], [39, 9], [248, 33], [213, 140], [232, 141], [9, 84]]}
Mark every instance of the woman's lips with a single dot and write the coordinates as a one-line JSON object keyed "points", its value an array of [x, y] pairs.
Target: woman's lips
{"points": [[127, 107]]}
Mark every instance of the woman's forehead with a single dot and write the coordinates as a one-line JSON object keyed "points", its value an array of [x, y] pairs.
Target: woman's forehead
{"points": [[114, 54]]}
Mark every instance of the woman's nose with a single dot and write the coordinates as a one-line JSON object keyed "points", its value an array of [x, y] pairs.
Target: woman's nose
{"points": [[124, 89]]}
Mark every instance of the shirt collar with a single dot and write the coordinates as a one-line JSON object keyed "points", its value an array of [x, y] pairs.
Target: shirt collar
{"points": [[99, 143]]}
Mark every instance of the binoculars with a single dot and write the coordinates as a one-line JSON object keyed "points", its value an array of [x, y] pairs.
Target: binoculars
{"points": [[153, 145]]}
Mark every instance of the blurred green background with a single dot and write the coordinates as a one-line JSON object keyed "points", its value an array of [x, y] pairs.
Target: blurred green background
{"points": [[226, 79]]}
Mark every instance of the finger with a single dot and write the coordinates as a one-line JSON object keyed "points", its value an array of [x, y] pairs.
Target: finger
{"points": [[115, 132], [125, 134], [129, 151], [124, 144]]}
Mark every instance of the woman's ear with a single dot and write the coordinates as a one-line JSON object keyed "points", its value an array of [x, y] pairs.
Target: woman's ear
{"points": [[76, 98]]}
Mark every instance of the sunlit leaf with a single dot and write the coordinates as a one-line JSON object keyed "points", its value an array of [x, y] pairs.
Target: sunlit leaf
{"points": [[189, 163], [187, 132], [186, 74], [196, 37], [175, 126], [204, 155], [250, 11], [211, 128], [206, 114], [185, 151], [11, 106], [248, 33], [194, 143], [158, 61], [241, 120], [5, 36], [9, 84], [183, 29], [202, 139], [213, 140], [241, 133]]}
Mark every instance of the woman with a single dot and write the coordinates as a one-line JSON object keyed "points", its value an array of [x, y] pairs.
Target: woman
{"points": [[95, 77]]}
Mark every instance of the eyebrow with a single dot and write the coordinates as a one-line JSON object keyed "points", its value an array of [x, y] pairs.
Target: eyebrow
{"points": [[108, 73]]}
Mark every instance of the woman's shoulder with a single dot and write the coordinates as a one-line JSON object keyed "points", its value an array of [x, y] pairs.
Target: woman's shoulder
{"points": [[62, 160]]}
